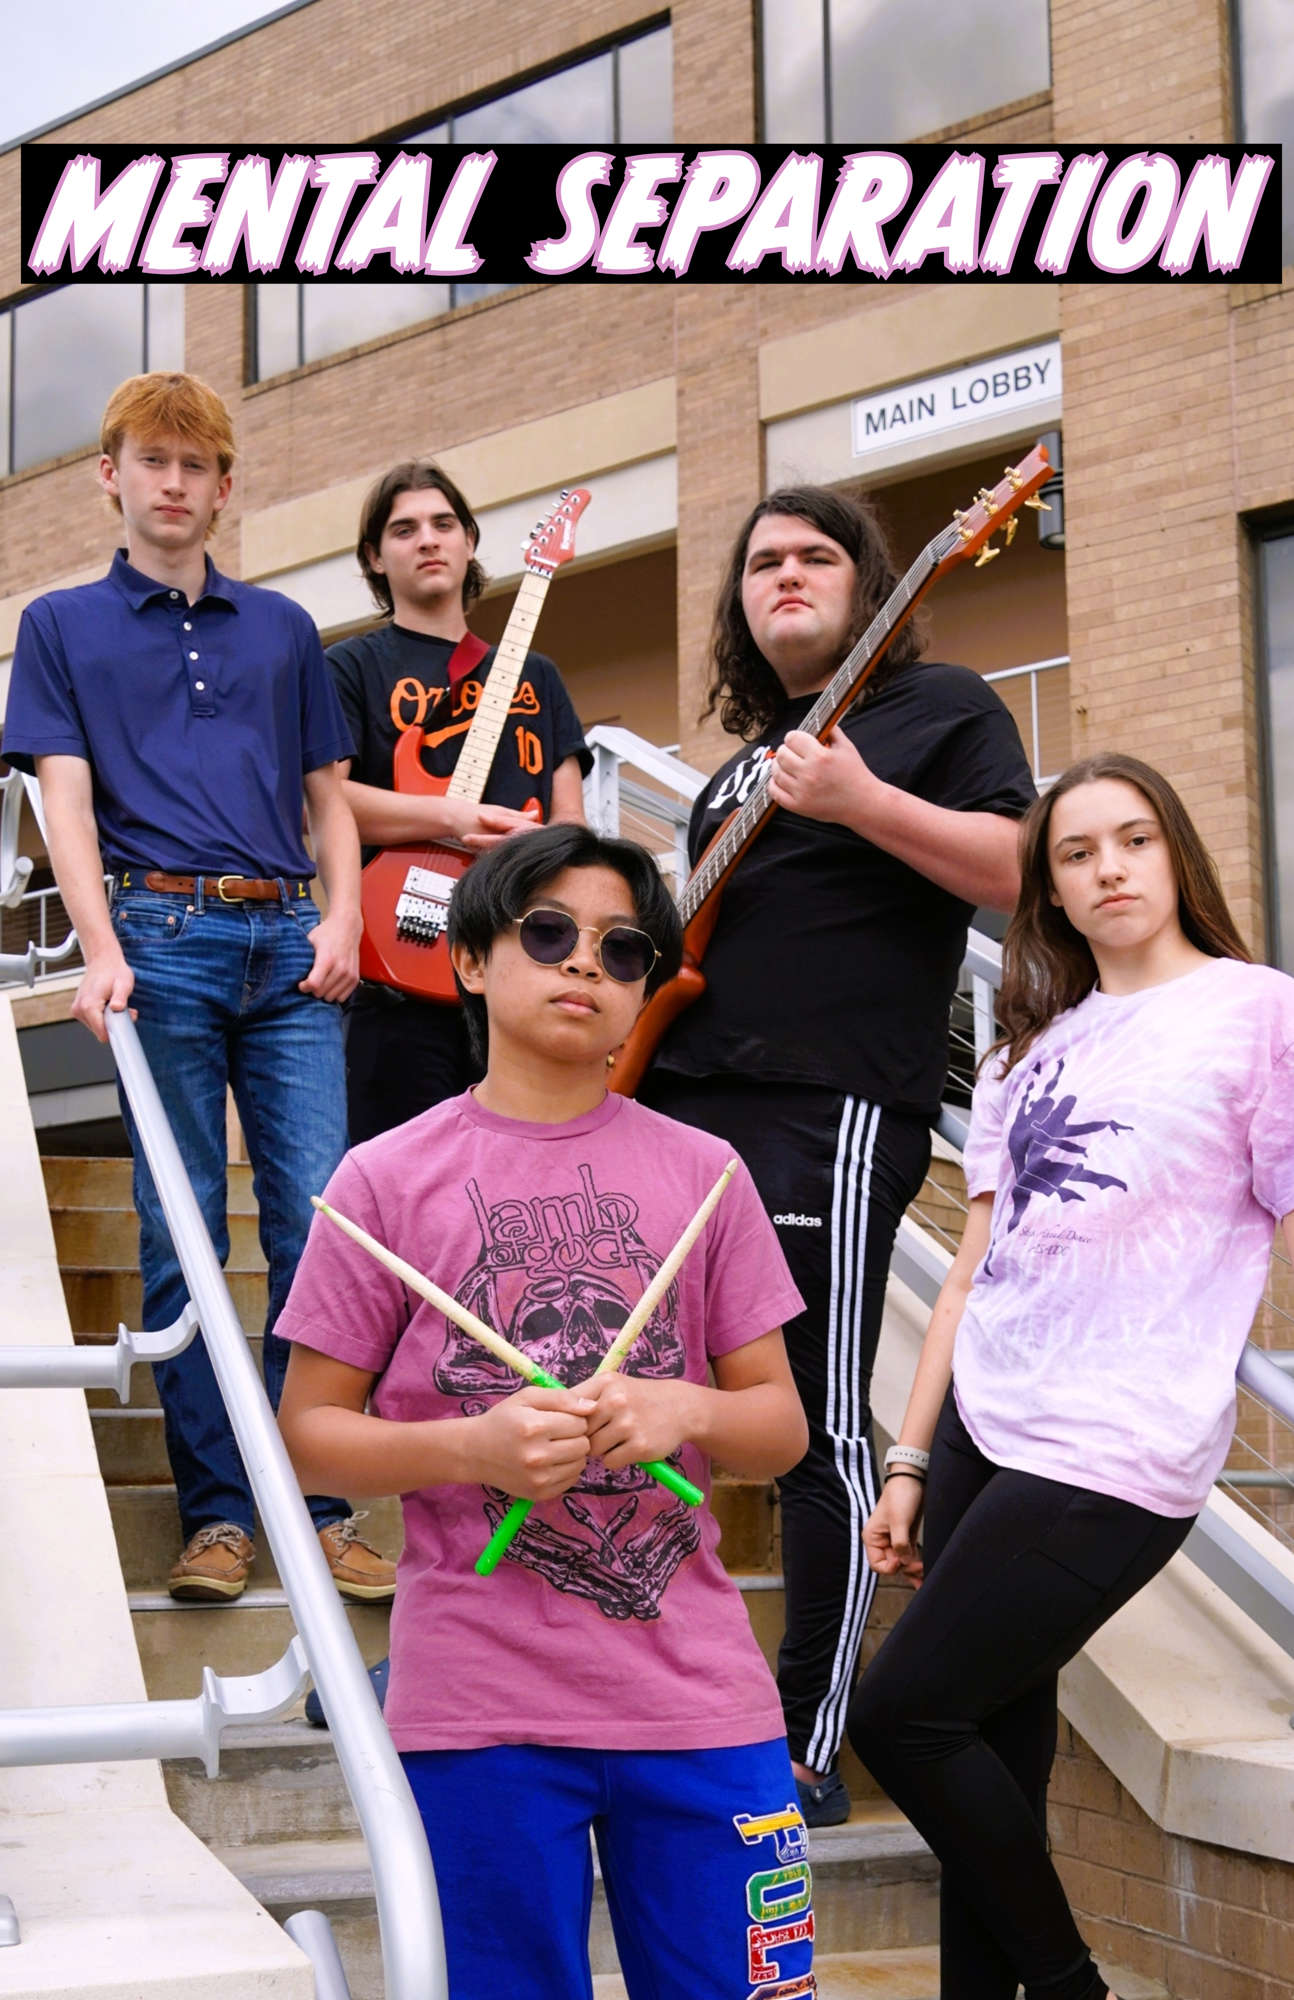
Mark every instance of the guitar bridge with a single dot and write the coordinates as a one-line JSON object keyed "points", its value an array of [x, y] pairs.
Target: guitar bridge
{"points": [[422, 909]]}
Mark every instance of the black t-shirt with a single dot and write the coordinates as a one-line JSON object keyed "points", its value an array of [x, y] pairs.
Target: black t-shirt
{"points": [[832, 962], [391, 678]]}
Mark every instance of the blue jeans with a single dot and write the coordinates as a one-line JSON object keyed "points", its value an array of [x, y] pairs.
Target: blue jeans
{"points": [[703, 1852], [216, 994]]}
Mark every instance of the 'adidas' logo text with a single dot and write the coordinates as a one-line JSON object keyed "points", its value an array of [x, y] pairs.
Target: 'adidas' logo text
{"points": [[800, 1221]]}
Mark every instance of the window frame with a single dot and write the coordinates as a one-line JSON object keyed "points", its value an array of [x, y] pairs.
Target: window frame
{"points": [[9, 309], [1277, 528], [411, 128], [972, 121]]}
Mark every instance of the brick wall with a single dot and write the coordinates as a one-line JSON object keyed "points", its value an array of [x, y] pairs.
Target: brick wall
{"points": [[1210, 1923]]}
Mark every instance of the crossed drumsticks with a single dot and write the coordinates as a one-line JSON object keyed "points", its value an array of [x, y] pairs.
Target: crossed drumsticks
{"points": [[530, 1371]]}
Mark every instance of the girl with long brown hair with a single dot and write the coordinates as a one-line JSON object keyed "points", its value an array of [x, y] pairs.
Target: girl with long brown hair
{"points": [[1130, 1150]]}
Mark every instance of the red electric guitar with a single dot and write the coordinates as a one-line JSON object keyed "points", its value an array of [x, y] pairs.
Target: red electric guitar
{"points": [[968, 532], [405, 891]]}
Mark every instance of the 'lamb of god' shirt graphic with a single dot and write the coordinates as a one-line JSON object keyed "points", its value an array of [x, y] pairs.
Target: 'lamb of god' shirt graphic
{"points": [[558, 1275]]}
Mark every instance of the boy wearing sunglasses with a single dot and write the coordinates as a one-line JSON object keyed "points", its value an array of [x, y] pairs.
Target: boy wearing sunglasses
{"points": [[605, 1676]]}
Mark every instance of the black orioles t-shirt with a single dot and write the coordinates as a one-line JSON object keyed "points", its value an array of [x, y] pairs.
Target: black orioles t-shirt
{"points": [[391, 678], [832, 962]]}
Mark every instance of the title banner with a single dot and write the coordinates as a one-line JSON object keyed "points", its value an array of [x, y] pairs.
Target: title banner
{"points": [[522, 213]]}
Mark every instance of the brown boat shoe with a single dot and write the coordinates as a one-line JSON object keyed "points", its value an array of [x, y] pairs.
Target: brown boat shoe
{"points": [[214, 1566], [358, 1571]]}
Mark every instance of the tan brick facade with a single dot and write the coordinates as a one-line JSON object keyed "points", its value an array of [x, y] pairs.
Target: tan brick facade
{"points": [[1178, 411], [1207, 1922]]}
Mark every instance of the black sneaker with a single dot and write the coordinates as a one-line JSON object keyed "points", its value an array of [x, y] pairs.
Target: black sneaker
{"points": [[378, 1675], [824, 1804]]}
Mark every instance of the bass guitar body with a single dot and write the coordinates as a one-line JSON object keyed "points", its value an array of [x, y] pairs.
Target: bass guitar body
{"points": [[405, 892]]}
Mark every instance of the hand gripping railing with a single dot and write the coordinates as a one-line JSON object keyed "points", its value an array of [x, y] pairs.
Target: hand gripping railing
{"points": [[413, 1951], [413, 1955]]}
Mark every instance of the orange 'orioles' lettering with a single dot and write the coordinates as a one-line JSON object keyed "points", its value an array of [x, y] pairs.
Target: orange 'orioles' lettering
{"points": [[411, 701]]}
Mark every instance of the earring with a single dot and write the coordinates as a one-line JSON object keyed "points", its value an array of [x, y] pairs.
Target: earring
{"points": [[611, 1060]]}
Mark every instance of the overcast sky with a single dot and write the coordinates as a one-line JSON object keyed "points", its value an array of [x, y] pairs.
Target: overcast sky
{"points": [[61, 54]]}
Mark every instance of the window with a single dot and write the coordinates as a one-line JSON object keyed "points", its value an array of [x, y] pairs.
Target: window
{"points": [[63, 352], [1265, 74], [1276, 611], [883, 71], [624, 96]]}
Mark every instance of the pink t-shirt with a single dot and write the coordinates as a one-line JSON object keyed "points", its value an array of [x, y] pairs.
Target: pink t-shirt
{"points": [[611, 1623], [1139, 1153]]}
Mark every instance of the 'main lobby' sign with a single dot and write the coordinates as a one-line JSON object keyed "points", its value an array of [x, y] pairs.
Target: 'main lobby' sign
{"points": [[999, 387]]}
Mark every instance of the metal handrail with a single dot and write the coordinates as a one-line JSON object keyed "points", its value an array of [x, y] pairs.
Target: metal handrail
{"points": [[408, 1909]]}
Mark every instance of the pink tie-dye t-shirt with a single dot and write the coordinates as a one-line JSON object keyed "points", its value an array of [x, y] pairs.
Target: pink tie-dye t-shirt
{"points": [[1139, 1153], [611, 1623]]}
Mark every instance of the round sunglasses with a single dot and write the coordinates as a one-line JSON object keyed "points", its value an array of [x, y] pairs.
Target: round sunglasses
{"points": [[551, 936]]}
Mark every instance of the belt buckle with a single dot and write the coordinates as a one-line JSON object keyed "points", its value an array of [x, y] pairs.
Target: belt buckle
{"points": [[220, 887]]}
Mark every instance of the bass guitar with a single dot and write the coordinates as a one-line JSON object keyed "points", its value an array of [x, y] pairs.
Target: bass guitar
{"points": [[968, 534], [405, 890]]}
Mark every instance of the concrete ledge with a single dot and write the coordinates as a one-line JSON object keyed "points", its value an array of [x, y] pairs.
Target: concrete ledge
{"points": [[1181, 1695], [128, 1906]]}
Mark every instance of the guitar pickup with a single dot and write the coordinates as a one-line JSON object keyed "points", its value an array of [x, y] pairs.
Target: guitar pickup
{"points": [[422, 909]]}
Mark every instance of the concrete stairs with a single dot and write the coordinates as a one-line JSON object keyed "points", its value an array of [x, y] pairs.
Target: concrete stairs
{"points": [[278, 1814]]}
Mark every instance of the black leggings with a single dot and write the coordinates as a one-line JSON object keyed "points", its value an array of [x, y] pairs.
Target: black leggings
{"points": [[835, 1174], [956, 1716]]}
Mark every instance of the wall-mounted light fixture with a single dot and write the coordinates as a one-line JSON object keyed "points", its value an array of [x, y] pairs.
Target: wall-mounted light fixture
{"points": [[1051, 526]]}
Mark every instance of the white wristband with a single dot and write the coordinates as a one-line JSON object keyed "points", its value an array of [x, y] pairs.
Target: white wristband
{"points": [[907, 1454]]}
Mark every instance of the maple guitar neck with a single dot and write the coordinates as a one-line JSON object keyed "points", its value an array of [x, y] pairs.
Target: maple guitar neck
{"points": [[475, 759]]}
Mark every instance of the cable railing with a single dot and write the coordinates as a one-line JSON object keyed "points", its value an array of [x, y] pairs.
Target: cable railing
{"points": [[1041, 713]]}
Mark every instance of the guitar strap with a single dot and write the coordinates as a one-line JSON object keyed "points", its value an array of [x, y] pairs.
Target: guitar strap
{"points": [[468, 653]]}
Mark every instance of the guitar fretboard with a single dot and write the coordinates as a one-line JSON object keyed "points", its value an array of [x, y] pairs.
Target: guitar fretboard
{"points": [[834, 699], [472, 771]]}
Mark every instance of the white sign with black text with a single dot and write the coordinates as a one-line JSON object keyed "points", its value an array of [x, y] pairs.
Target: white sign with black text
{"points": [[998, 387]]}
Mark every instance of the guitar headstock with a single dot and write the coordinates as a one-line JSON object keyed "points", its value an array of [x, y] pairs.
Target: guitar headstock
{"points": [[552, 541], [990, 510]]}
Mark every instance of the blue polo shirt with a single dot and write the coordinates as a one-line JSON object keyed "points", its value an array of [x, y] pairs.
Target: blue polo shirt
{"points": [[198, 720]]}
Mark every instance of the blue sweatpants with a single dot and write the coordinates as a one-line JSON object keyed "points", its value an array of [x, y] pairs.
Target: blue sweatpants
{"points": [[703, 1852]]}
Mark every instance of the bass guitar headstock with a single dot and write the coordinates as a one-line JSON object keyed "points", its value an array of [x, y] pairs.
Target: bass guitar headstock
{"points": [[973, 527]]}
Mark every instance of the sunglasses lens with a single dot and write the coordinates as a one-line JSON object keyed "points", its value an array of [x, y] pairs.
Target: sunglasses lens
{"points": [[627, 955], [548, 937]]}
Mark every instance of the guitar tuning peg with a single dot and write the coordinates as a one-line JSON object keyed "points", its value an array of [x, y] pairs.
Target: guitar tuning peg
{"points": [[1039, 505], [1015, 479], [986, 555], [1011, 527], [565, 493], [985, 498]]}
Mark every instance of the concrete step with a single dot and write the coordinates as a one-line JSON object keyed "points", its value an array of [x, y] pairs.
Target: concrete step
{"points": [[131, 1442], [97, 1183], [107, 1239], [177, 1640], [875, 1887], [147, 1528], [746, 1510], [98, 1301], [273, 1771], [911, 1974]]}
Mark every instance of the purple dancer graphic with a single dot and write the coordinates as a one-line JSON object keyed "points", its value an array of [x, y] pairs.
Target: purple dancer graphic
{"points": [[1040, 1129]]}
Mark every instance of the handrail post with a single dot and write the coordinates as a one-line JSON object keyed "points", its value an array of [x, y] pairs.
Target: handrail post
{"points": [[413, 1952]]}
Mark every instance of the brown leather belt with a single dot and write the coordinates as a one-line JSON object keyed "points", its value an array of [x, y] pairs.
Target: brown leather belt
{"points": [[229, 888]]}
